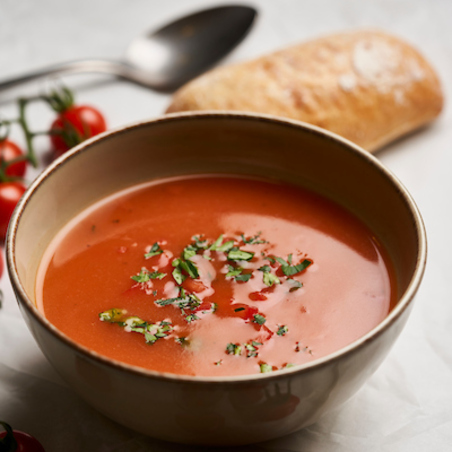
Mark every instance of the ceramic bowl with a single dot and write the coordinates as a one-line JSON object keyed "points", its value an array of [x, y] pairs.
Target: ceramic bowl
{"points": [[237, 410]]}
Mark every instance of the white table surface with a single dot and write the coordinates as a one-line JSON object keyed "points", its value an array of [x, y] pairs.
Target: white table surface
{"points": [[407, 403]]}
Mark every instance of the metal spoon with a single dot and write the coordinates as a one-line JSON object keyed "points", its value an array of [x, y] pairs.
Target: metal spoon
{"points": [[169, 57]]}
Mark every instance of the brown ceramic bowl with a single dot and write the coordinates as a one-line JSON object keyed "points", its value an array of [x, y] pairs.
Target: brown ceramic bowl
{"points": [[217, 143]]}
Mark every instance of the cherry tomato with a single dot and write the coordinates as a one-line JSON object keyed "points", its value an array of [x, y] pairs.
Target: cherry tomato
{"points": [[16, 441], [9, 151], [10, 193], [75, 124]]}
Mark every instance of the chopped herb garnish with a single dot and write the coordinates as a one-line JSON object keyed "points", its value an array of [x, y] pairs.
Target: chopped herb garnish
{"points": [[151, 331], [239, 309], [182, 341], [265, 268], [259, 319], [295, 284], [189, 251], [186, 266], [217, 243], [286, 366], [178, 276], [252, 349], [239, 255], [233, 349], [271, 259], [237, 274], [289, 269], [142, 277], [244, 277], [166, 301], [213, 308], [145, 275], [265, 368], [191, 318], [186, 300], [199, 243], [218, 363], [114, 315], [282, 330], [226, 246], [232, 271], [253, 240], [154, 251], [268, 277]]}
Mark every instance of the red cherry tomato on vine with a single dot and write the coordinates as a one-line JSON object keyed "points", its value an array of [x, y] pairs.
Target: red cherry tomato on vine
{"points": [[10, 193], [16, 441], [10, 151], [74, 125]]}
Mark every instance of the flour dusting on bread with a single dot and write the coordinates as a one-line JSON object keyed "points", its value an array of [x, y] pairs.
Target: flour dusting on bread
{"points": [[367, 86]]}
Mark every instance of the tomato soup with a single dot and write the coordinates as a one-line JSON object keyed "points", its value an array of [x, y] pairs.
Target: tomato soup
{"points": [[215, 275]]}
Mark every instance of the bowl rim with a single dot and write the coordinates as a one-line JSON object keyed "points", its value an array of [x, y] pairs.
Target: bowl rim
{"points": [[404, 300]]}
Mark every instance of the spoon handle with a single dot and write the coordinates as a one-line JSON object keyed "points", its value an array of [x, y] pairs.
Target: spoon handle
{"points": [[112, 67]]}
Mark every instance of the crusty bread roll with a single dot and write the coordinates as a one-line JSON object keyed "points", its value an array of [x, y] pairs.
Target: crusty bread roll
{"points": [[367, 86]]}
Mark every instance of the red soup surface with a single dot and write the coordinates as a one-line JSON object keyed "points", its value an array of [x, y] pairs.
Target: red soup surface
{"points": [[213, 275]]}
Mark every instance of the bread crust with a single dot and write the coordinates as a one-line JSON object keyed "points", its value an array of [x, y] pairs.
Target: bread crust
{"points": [[367, 86]]}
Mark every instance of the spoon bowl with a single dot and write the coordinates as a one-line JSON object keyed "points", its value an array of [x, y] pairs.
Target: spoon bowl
{"points": [[169, 57]]}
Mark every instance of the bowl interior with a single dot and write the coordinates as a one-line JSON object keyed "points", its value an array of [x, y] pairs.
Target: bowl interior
{"points": [[218, 143]]}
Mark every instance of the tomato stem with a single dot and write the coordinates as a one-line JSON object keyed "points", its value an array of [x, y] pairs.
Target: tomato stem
{"points": [[31, 157], [8, 443]]}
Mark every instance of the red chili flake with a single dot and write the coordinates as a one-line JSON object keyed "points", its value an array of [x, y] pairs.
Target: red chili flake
{"points": [[257, 296]]}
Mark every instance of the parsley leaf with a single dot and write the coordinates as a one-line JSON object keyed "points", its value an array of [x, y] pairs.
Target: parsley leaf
{"points": [[268, 277], [199, 243], [271, 259], [295, 284], [259, 319], [232, 272], [189, 251], [252, 350], [237, 274], [218, 245], [245, 277], [114, 315], [253, 240], [154, 251], [182, 341], [145, 275], [239, 255], [265, 368], [282, 330], [233, 349], [178, 276], [186, 266], [289, 269], [166, 301], [191, 317], [151, 331]]}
